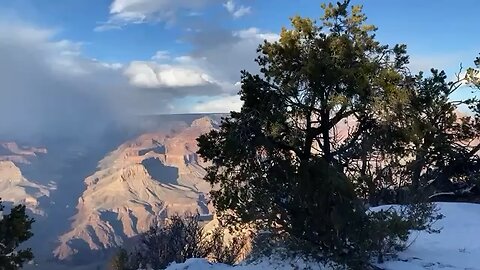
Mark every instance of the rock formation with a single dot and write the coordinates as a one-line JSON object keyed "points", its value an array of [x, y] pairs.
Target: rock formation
{"points": [[11, 151], [16, 189], [143, 180]]}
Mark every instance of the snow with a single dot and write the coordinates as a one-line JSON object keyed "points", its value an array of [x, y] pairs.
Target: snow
{"points": [[267, 263], [197, 264], [457, 246]]}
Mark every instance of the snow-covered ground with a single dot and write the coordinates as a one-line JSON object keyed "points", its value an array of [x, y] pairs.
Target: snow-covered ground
{"points": [[268, 263], [457, 246]]}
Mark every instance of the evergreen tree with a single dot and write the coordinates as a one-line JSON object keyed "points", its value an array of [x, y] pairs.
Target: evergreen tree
{"points": [[444, 140], [281, 163], [120, 261], [436, 143], [15, 228], [423, 146]]}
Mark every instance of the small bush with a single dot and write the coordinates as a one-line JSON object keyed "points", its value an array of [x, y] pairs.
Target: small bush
{"points": [[380, 235], [389, 229], [220, 250], [177, 239], [122, 261]]}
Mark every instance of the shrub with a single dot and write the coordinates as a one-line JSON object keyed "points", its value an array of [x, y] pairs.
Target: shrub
{"points": [[177, 239], [378, 236], [122, 261], [284, 164], [219, 249]]}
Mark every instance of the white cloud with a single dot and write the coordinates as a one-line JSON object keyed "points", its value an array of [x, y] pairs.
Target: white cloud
{"points": [[185, 59], [114, 66], [221, 104], [256, 34], [161, 55], [224, 54], [242, 11], [212, 64], [49, 88], [210, 73], [212, 69], [152, 75], [223, 59], [106, 26], [123, 12], [60, 56], [235, 11], [230, 6]]}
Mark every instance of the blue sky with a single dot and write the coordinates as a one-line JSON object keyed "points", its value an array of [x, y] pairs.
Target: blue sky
{"points": [[429, 28], [201, 45]]}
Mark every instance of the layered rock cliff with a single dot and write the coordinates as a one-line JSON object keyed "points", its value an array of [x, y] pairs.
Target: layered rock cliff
{"points": [[16, 189], [143, 180], [11, 151]]}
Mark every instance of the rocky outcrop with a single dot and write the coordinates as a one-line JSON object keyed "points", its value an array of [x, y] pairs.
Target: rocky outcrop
{"points": [[16, 189], [11, 151], [142, 181]]}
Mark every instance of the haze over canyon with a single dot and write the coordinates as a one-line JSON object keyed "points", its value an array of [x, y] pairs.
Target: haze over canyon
{"points": [[90, 199]]}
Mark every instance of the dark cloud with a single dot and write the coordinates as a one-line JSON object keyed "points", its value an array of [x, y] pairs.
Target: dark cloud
{"points": [[224, 53], [48, 89]]}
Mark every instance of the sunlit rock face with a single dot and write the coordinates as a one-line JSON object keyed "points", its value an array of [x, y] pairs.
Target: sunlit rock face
{"points": [[16, 189], [145, 179], [11, 151]]}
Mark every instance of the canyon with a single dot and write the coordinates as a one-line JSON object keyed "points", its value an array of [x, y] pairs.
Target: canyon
{"points": [[89, 199]]}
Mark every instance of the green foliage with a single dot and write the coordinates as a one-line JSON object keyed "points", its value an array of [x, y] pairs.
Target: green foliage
{"points": [[380, 236], [389, 229], [281, 164], [473, 75], [15, 228], [434, 144], [441, 137], [121, 261]]}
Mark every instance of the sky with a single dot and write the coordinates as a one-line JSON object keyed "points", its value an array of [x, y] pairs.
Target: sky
{"points": [[65, 62]]}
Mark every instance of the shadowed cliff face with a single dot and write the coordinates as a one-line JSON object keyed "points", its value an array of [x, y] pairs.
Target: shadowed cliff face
{"points": [[15, 188], [60, 171], [11, 151], [143, 180], [138, 180], [157, 170]]}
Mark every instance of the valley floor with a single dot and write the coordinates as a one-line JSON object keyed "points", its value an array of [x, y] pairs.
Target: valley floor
{"points": [[456, 247]]}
